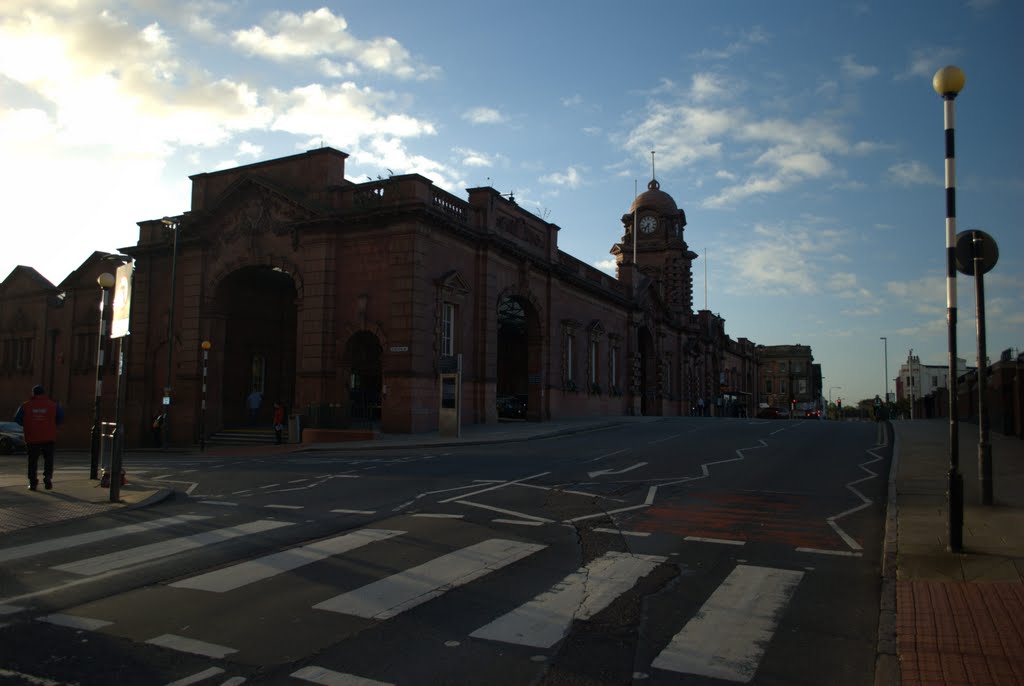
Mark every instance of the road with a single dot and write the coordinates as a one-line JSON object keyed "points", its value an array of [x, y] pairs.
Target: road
{"points": [[679, 551]]}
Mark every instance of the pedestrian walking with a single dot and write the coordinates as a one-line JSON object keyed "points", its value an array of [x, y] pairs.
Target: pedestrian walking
{"points": [[253, 401], [40, 416], [279, 415], [158, 428]]}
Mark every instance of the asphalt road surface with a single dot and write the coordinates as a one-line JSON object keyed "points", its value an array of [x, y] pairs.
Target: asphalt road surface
{"points": [[679, 551]]}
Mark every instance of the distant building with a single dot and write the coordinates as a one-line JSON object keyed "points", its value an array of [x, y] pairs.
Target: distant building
{"points": [[916, 380], [789, 379]]}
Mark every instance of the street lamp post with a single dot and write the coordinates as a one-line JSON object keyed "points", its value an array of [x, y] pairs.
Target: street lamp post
{"points": [[174, 224], [205, 345], [885, 342], [106, 282], [830, 389], [948, 82]]}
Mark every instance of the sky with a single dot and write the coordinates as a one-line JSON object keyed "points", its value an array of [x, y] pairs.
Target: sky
{"points": [[803, 140]]}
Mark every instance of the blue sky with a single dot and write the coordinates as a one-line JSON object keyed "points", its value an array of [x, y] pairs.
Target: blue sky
{"points": [[803, 139]]}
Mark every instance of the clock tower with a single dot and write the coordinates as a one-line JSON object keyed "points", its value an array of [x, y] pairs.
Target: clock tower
{"points": [[662, 254]]}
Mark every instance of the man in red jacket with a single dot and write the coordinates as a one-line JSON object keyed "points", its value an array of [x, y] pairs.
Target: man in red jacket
{"points": [[40, 416]]}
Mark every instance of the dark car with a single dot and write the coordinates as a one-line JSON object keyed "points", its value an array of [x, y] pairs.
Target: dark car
{"points": [[512, 406], [769, 413], [12, 438], [812, 414]]}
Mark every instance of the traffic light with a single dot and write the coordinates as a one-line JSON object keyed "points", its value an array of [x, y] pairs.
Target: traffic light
{"points": [[839, 404]]}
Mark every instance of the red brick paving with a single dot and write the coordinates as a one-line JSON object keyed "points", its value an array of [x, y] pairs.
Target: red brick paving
{"points": [[954, 633], [764, 517]]}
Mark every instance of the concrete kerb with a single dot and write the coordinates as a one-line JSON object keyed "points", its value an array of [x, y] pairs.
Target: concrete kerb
{"points": [[887, 663]]}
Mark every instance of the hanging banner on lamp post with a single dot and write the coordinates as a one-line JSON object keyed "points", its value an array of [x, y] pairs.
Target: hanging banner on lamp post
{"points": [[122, 300]]}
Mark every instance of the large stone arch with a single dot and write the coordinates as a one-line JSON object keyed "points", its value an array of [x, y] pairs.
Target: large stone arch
{"points": [[252, 318], [520, 345]]}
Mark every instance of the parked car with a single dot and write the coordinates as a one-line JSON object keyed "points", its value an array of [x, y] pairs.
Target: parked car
{"points": [[812, 414], [12, 438], [769, 413], [512, 406]]}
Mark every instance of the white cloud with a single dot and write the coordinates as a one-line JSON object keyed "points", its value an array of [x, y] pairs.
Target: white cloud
{"points": [[925, 62], [745, 42], [785, 260], [707, 86], [570, 178], [248, 149], [851, 69], [287, 36], [607, 266], [473, 158], [912, 173], [483, 115]]}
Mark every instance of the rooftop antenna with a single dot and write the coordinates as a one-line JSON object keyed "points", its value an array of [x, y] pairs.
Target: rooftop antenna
{"points": [[705, 278], [635, 196], [652, 165]]}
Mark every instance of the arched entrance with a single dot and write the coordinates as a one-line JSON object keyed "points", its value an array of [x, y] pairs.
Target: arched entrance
{"points": [[365, 378], [518, 392], [254, 310]]}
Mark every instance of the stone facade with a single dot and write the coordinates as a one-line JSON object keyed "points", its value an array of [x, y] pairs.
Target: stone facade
{"points": [[346, 301]]}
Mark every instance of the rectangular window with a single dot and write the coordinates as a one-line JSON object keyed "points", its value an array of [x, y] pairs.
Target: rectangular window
{"points": [[802, 386], [768, 386], [935, 381], [782, 369], [593, 363], [448, 329], [570, 343], [782, 387], [796, 367], [259, 372], [613, 366]]}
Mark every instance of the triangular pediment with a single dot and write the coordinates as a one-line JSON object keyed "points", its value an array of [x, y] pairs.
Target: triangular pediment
{"points": [[453, 283], [252, 206], [25, 281]]}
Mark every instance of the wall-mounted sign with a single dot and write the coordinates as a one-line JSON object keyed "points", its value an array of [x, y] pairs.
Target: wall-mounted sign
{"points": [[399, 348]]}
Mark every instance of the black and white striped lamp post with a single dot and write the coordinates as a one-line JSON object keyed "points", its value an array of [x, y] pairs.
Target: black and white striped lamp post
{"points": [[948, 82], [106, 282]]}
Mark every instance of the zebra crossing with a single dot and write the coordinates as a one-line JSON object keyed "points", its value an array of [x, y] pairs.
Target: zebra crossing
{"points": [[725, 639]]}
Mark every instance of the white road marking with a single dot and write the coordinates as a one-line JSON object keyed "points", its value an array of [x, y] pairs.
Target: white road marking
{"points": [[610, 472], [72, 622], [544, 621], [438, 515], [662, 440], [199, 676], [511, 513], [722, 541], [64, 542], [234, 681], [359, 512], [840, 553], [325, 677], [191, 645], [244, 573], [639, 534], [222, 503], [646, 503], [21, 677], [866, 502], [728, 636], [10, 609], [131, 556], [520, 522], [395, 594], [601, 457], [495, 487], [284, 507]]}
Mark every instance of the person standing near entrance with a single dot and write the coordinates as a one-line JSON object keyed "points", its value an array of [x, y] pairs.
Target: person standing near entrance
{"points": [[253, 402], [40, 416], [278, 422]]}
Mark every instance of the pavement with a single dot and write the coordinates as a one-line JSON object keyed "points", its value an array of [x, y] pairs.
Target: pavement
{"points": [[946, 618]]}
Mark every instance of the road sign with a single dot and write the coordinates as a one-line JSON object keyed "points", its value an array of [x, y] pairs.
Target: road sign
{"points": [[975, 243]]}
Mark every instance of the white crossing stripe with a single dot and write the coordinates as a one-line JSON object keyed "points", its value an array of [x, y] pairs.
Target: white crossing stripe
{"points": [[191, 645], [544, 621], [325, 677], [242, 574], [728, 636], [65, 542], [72, 622], [395, 594], [154, 551]]}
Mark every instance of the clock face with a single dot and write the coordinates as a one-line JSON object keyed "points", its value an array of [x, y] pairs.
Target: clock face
{"points": [[648, 224]]}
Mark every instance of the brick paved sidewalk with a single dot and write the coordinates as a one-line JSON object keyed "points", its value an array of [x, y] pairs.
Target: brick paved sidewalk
{"points": [[955, 632]]}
